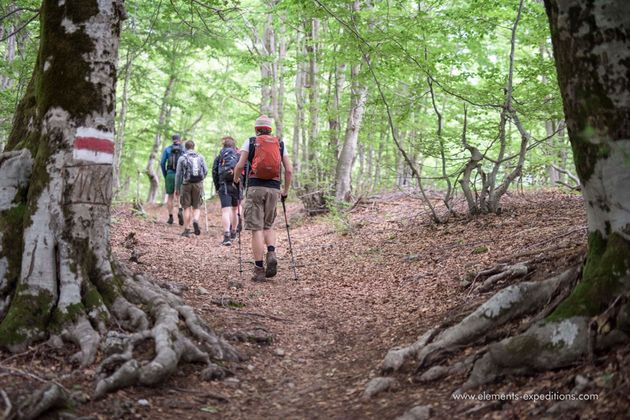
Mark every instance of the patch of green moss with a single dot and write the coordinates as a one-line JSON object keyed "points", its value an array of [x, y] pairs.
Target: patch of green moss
{"points": [[11, 225], [480, 250], [69, 314], [607, 263], [28, 316]]}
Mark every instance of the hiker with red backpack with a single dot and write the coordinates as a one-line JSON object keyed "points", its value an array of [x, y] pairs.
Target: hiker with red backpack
{"points": [[229, 192], [168, 165], [191, 171], [265, 155]]}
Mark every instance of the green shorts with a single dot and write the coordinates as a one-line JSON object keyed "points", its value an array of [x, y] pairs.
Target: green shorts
{"points": [[169, 182]]}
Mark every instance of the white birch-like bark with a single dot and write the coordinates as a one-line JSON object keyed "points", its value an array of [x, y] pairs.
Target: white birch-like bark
{"points": [[154, 181], [343, 183]]}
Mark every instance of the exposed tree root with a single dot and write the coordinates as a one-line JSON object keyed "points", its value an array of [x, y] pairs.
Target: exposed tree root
{"points": [[498, 273], [50, 396], [7, 405], [170, 345], [510, 303]]}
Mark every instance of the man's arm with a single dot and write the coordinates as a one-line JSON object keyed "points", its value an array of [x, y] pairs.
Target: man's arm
{"points": [[163, 161], [215, 172], [204, 167], [288, 174], [179, 174], [240, 166]]}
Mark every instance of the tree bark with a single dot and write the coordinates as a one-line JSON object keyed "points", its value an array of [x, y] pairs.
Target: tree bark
{"points": [[9, 53], [343, 184], [333, 112], [593, 72], [267, 73], [312, 48], [152, 174], [298, 127], [122, 122], [59, 210]]}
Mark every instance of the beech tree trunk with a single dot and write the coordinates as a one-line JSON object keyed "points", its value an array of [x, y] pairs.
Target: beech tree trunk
{"points": [[57, 277], [298, 126], [57, 171], [333, 110], [9, 52], [122, 122], [154, 181], [268, 46], [312, 48], [343, 184], [594, 75]]}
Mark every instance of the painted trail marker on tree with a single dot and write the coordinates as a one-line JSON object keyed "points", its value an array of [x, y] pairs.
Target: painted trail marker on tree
{"points": [[93, 145]]}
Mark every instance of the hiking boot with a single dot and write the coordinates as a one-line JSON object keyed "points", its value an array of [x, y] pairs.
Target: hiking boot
{"points": [[259, 274], [272, 264], [196, 227], [226, 240], [233, 235], [180, 216], [170, 219], [187, 233]]}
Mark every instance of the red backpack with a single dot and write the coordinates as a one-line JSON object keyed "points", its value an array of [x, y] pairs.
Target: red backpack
{"points": [[265, 155]]}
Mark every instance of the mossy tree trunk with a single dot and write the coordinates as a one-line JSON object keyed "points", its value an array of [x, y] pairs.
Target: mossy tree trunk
{"points": [[591, 43], [55, 228], [57, 277]]}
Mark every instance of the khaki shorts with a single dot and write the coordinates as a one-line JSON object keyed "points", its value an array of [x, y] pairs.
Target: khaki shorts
{"points": [[191, 195], [260, 208]]}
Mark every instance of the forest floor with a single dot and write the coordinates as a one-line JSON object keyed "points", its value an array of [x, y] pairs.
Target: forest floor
{"points": [[368, 280]]}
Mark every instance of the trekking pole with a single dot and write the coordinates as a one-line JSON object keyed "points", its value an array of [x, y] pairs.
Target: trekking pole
{"points": [[238, 232], [286, 221], [205, 206]]}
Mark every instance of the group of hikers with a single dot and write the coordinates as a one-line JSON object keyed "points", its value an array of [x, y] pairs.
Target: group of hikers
{"points": [[254, 169]]}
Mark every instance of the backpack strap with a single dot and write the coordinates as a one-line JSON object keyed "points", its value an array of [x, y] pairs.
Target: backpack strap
{"points": [[252, 149]]}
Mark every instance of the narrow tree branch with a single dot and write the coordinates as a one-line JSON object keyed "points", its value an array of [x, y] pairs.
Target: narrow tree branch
{"points": [[21, 27]]}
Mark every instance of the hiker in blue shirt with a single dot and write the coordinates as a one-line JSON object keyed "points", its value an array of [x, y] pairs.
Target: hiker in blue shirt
{"points": [[168, 165]]}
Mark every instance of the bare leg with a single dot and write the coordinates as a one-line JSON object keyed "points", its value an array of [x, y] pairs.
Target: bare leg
{"points": [[169, 203], [234, 217], [196, 213], [175, 201], [258, 244], [187, 217], [225, 218], [270, 237]]}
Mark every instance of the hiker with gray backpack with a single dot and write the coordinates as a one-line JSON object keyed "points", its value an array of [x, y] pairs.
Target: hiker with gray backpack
{"points": [[191, 171], [264, 155], [229, 193]]}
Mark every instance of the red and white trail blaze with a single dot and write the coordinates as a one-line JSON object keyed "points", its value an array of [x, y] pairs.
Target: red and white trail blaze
{"points": [[93, 145]]}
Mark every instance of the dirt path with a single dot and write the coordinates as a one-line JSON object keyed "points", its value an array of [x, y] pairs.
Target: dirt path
{"points": [[369, 282], [330, 328], [373, 281]]}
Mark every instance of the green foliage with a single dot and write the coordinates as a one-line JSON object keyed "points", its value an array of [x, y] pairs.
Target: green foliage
{"points": [[210, 49], [339, 217]]}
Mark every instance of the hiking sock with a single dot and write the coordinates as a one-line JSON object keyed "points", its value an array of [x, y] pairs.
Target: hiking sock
{"points": [[271, 248], [180, 216], [196, 227], [170, 219], [258, 263]]}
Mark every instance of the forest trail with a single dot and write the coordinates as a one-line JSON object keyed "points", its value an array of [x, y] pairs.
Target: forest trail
{"points": [[373, 279], [368, 281]]}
